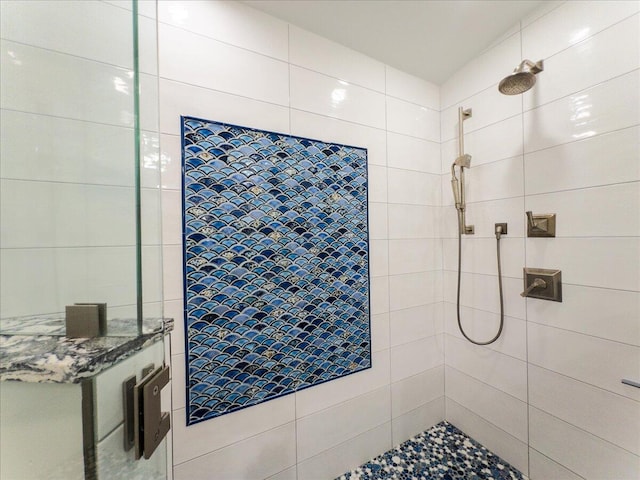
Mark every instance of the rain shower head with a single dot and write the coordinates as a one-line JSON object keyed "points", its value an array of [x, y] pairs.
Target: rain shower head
{"points": [[522, 78]]}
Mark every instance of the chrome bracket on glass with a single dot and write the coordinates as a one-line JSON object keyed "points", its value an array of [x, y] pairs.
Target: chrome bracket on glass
{"points": [[543, 284], [541, 225]]}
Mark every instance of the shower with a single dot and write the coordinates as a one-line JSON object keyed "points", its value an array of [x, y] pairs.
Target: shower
{"points": [[522, 78]]}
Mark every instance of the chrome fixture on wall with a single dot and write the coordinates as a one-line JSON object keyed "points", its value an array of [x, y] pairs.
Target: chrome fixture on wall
{"points": [[522, 78], [464, 161], [541, 225], [543, 284]]}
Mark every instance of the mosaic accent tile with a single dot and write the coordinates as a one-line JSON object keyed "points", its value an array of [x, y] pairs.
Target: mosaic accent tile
{"points": [[442, 452], [276, 265]]}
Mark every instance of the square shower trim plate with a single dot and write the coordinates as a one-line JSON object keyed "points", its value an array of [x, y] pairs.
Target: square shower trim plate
{"points": [[276, 265]]}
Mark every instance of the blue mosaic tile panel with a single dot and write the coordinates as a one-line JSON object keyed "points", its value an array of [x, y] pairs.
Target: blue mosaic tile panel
{"points": [[276, 265], [442, 452]]}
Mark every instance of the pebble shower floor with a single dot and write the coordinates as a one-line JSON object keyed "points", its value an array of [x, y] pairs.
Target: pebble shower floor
{"points": [[442, 452]]}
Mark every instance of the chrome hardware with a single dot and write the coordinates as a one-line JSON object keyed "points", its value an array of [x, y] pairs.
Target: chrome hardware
{"points": [[463, 161], [631, 383], [541, 225], [543, 284], [500, 229], [537, 283], [82, 321], [145, 425]]}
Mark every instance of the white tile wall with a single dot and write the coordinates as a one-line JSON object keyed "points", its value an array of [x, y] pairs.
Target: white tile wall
{"points": [[569, 146], [292, 81]]}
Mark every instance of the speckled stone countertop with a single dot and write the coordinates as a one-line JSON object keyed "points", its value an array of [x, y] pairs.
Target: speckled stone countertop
{"points": [[53, 358]]}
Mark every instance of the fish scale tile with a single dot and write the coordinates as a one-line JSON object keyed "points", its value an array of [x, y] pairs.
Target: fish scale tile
{"points": [[276, 264], [442, 452]]}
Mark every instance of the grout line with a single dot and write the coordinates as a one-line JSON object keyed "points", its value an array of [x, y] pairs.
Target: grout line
{"points": [[71, 119], [386, 122]]}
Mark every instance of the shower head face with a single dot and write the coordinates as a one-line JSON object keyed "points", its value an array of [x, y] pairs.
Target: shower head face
{"points": [[517, 83]]}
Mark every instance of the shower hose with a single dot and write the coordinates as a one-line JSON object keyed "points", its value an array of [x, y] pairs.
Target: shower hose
{"points": [[498, 235]]}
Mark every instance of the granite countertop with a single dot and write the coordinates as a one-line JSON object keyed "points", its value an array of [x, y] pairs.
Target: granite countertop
{"points": [[53, 358]]}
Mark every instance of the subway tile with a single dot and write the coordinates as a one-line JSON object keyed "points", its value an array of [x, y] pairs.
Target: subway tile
{"points": [[288, 474], [413, 358], [579, 164], [216, 433], [618, 419], [178, 381], [579, 451], [181, 99], [496, 180], [484, 216], [610, 106], [500, 371], [413, 221], [567, 353], [311, 125], [414, 289], [379, 332], [65, 213], [411, 119], [571, 23], [412, 89], [325, 429], [81, 274], [414, 255], [544, 9], [599, 312], [488, 107], [410, 324], [254, 458], [492, 404], [591, 261], [151, 278], [587, 63], [171, 217], [319, 54], [418, 420], [482, 71], [479, 255], [495, 439], [172, 272], [379, 258], [171, 161], [175, 309], [329, 394], [324, 95], [411, 153], [412, 392], [415, 188], [377, 183], [150, 210], [481, 292], [49, 83], [608, 211], [92, 30], [73, 151], [229, 22], [379, 295], [482, 326], [483, 144], [348, 455], [220, 66], [542, 467], [378, 229]]}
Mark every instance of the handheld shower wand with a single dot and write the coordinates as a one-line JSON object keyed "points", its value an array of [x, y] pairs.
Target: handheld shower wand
{"points": [[457, 185]]}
